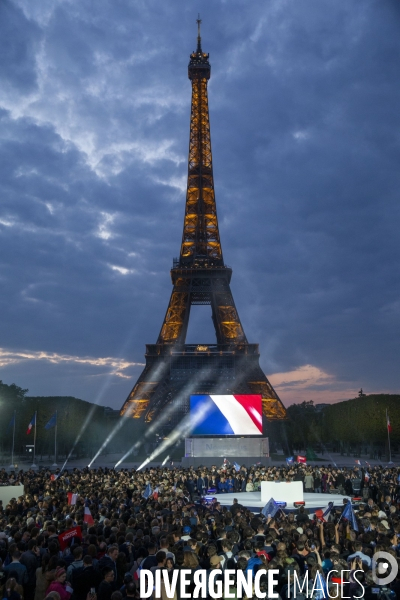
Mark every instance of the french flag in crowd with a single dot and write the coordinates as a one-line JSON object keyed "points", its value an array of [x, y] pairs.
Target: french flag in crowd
{"points": [[323, 514], [31, 424], [226, 414], [72, 498], [87, 517]]}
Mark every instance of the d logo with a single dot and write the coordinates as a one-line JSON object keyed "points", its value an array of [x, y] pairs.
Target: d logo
{"points": [[384, 568]]}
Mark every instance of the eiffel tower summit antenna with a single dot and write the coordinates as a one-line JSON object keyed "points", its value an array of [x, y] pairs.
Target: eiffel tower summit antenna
{"points": [[230, 364], [198, 21]]}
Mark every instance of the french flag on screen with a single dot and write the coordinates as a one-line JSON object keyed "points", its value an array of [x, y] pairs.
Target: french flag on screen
{"points": [[226, 415]]}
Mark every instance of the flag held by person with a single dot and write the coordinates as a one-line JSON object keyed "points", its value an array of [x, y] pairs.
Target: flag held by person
{"points": [[31, 424], [72, 498], [270, 509], [290, 460], [147, 492], [87, 517], [66, 537], [155, 493], [348, 514], [302, 460], [322, 514], [237, 467], [52, 422]]}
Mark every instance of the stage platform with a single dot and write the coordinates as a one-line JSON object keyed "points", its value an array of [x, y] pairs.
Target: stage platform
{"points": [[253, 500]]}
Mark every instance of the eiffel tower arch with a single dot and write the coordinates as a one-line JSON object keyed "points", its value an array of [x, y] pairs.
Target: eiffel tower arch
{"points": [[230, 365]]}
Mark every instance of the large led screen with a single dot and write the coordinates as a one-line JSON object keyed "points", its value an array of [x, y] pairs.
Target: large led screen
{"points": [[226, 415]]}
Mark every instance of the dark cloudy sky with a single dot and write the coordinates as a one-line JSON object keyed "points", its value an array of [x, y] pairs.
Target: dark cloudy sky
{"points": [[94, 124]]}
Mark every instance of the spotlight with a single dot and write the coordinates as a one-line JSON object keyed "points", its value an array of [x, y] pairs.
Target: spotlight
{"points": [[135, 445], [182, 429]]}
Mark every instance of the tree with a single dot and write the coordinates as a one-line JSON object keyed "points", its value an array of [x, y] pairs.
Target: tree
{"points": [[11, 394], [11, 398], [304, 425]]}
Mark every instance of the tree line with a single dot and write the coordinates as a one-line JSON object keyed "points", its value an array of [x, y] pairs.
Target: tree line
{"points": [[72, 414], [356, 425]]}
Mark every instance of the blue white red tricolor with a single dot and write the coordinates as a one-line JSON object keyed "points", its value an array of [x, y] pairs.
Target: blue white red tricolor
{"points": [[87, 517], [389, 427], [31, 424], [322, 514], [226, 414], [72, 498]]}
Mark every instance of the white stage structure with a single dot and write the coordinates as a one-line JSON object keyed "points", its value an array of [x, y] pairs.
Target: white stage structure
{"points": [[10, 491], [288, 492], [253, 500]]}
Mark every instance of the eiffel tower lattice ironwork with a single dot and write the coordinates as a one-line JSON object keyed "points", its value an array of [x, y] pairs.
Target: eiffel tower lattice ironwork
{"points": [[173, 369]]}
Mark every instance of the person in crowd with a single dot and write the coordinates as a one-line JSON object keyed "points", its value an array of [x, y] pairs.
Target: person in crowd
{"points": [[317, 482], [309, 482], [12, 590], [169, 564], [60, 584], [85, 580], [250, 484], [109, 559], [19, 569], [202, 484], [31, 559], [150, 560], [106, 587], [44, 577], [132, 591], [77, 563]]}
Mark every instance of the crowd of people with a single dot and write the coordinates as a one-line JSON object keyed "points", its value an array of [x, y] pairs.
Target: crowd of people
{"points": [[172, 519]]}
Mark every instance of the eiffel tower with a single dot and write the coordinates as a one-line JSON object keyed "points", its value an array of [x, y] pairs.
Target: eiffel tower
{"points": [[174, 370]]}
